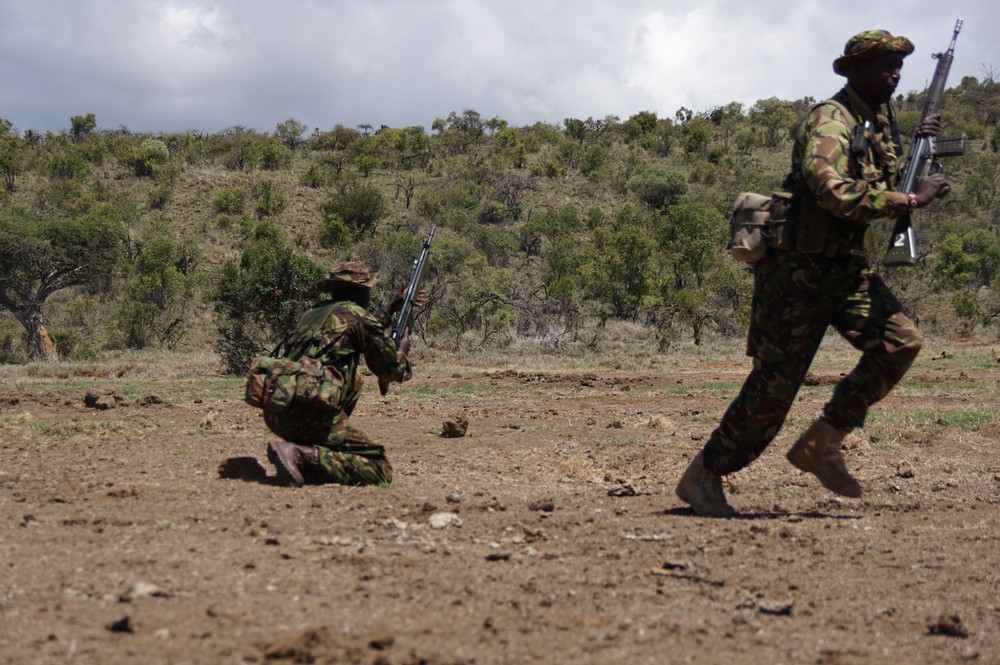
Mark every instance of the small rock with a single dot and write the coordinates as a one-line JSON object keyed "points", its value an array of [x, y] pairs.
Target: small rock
{"points": [[625, 489], [123, 625], [543, 505], [381, 640], [949, 625], [444, 520], [776, 607], [143, 590], [455, 429], [101, 401]]}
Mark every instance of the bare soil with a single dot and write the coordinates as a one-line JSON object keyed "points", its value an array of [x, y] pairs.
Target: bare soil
{"points": [[549, 533]]}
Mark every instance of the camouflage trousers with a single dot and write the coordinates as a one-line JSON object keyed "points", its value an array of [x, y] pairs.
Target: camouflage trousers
{"points": [[796, 297], [346, 455]]}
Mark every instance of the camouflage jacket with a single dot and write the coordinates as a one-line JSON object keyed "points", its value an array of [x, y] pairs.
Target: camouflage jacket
{"points": [[853, 187], [340, 333]]}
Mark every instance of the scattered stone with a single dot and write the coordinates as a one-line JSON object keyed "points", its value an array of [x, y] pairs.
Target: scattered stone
{"points": [[381, 640], [102, 401], [143, 590], [455, 429], [949, 625], [542, 505], [776, 607], [676, 565], [444, 520], [498, 556], [123, 625], [242, 468], [625, 489]]}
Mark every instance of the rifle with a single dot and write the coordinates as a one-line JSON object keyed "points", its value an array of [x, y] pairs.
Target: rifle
{"points": [[923, 154], [405, 312]]}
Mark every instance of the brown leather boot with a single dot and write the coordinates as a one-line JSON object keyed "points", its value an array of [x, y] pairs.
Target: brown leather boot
{"points": [[818, 452], [702, 490], [290, 459]]}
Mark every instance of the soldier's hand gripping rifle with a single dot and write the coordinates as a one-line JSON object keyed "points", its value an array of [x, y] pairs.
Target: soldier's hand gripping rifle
{"points": [[405, 313], [923, 159]]}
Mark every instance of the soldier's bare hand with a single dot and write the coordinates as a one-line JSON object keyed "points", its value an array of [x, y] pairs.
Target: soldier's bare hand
{"points": [[397, 302], [931, 126], [420, 299], [404, 342], [928, 186]]}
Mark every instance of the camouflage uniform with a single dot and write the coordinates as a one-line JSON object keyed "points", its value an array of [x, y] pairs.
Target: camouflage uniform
{"points": [[347, 332], [826, 280]]}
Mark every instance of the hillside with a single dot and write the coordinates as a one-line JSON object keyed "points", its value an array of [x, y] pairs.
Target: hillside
{"points": [[546, 234]]}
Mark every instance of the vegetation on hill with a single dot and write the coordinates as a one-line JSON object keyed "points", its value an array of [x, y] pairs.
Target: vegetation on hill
{"points": [[112, 240]]}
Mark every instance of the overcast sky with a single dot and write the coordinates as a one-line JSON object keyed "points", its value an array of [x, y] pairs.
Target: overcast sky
{"points": [[175, 65]]}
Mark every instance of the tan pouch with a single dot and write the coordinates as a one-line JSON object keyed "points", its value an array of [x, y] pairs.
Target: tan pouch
{"points": [[748, 239]]}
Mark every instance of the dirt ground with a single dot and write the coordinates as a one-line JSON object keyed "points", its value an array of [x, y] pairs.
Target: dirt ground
{"points": [[549, 533]]}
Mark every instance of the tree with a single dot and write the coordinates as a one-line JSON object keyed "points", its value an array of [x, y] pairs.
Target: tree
{"points": [[40, 255], [81, 126], [261, 297], [11, 153], [619, 272], [775, 118], [290, 133], [691, 234], [161, 280]]}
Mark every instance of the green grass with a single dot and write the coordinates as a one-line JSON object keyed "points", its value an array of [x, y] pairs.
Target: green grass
{"points": [[930, 418], [97, 429]]}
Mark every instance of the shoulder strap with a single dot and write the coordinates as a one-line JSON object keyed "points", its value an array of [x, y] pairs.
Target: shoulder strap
{"points": [[849, 118]]}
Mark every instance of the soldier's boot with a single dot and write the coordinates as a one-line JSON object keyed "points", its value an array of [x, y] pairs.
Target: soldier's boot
{"points": [[818, 452], [702, 490], [291, 460]]}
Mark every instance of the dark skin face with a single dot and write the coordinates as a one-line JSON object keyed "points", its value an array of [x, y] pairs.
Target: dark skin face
{"points": [[875, 80]]}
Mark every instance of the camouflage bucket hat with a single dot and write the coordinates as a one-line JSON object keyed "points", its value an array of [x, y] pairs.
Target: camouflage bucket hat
{"points": [[871, 44], [352, 272]]}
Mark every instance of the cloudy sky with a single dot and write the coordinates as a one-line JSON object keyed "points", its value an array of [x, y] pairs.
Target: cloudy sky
{"points": [[176, 65]]}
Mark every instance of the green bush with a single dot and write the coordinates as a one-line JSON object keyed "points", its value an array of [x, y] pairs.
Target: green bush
{"points": [[230, 201], [658, 186], [146, 157], [260, 297], [361, 207], [68, 166], [334, 233], [270, 201]]}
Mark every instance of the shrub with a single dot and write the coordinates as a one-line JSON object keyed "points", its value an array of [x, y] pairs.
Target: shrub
{"points": [[361, 207], [230, 201], [146, 157], [658, 186], [260, 298]]}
